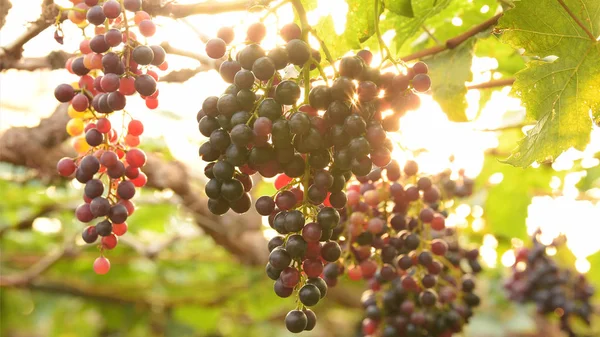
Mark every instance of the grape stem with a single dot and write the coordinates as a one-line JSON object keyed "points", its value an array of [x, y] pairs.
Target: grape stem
{"points": [[127, 57], [271, 9], [382, 46], [255, 108], [455, 41], [577, 20], [306, 29]]}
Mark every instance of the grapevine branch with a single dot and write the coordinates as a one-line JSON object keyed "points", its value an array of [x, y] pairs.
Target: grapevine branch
{"points": [[576, 19], [455, 41], [175, 10], [39, 268], [12, 52], [202, 58], [27, 222], [492, 84], [306, 28], [5, 6], [110, 296], [56, 60], [42, 146]]}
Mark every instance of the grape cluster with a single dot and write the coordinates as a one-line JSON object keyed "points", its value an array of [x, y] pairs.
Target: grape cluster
{"points": [[537, 278], [112, 65], [259, 125], [314, 147], [394, 236]]}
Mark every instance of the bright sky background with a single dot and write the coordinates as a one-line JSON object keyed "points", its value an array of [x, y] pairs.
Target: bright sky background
{"points": [[25, 97]]}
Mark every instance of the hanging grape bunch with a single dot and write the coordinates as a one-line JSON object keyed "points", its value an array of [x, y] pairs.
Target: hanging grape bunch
{"points": [[259, 125], [314, 147], [556, 291], [391, 234], [394, 236], [111, 66]]}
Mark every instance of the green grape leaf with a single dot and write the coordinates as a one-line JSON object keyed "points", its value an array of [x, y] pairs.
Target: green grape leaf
{"points": [[406, 28], [449, 71], [507, 202], [558, 94], [360, 22], [400, 7], [594, 273], [509, 61], [591, 179], [443, 27], [310, 5]]}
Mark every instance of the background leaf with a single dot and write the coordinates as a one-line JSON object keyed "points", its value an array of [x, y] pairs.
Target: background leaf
{"points": [[449, 71], [558, 94], [507, 202], [400, 7]]}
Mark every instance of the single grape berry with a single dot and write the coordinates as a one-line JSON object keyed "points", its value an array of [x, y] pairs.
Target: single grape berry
{"points": [[290, 32], [263, 68], [89, 234], [298, 52], [421, 82], [309, 295], [216, 48], [143, 55], [256, 32], [101, 265], [296, 321], [64, 93], [226, 34], [287, 92]]}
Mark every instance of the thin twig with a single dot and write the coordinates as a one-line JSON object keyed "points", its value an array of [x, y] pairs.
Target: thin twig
{"points": [[109, 295], [177, 10], [27, 222], [579, 23], [431, 36], [14, 49], [202, 36], [5, 6], [306, 28], [455, 41], [492, 84], [40, 267], [273, 9], [505, 127]]}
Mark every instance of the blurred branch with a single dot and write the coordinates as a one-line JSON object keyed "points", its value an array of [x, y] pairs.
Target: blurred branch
{"points": [[42, 146], [57, 59], [201, 35], [430, 34], [97, 293], [54, 60], [577, 20], [5, 6], [176, 10], [455, 41], [504, 82], [505, 127], [180, 76], [204, 59], [151, 251], [28, 222], [11, 53], [39, 267]]}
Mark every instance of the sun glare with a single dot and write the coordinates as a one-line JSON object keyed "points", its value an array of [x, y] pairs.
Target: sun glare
{"points": [[425, 135]]}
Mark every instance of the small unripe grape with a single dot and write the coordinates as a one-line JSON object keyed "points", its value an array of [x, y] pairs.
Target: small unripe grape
{"points": [[101, 265]]}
